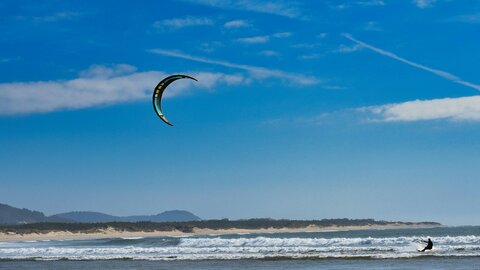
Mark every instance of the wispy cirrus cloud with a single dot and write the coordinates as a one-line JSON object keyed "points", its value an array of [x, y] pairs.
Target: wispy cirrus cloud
{"points": [[269, 53], [183, 22], [424, 3], [350, 4], [282, 35], [440, 73], [371, 3], [347, 49], [211, 46], [458, 109], [101, 71], [442, 109], [310, 56], [254, 40], [288, 9], [255, 71], [467, 18], [58, 16], [372, 26], [341, 6], [9, 59], [305, 46], [99, 85], [265, 38], [237, 24]]}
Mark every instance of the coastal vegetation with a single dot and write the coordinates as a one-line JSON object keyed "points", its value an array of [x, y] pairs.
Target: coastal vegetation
{"points": [[189, 226]]}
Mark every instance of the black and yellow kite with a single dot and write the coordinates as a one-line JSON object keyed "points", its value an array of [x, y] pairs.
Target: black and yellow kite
{"points": [[158, 92]]}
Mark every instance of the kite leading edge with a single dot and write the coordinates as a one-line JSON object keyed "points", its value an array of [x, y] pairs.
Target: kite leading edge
{"points": [[158, 93]]}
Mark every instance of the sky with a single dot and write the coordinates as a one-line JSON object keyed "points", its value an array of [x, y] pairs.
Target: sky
{"points": [[302, 110]]}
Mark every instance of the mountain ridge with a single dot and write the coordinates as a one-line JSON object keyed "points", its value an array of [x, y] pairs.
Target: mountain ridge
{"points": [[98, 217], [14, 215]]}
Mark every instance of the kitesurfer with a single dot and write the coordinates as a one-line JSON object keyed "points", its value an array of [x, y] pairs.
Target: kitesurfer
{"points": [[429, 245]]}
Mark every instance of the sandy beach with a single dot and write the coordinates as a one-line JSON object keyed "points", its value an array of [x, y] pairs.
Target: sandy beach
{"points": [[112, 233]]}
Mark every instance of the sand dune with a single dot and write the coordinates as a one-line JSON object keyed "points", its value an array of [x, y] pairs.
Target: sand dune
{"points": [[112, 233]]}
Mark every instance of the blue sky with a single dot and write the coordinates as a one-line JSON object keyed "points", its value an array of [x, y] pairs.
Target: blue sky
{"points": [[302, 110]]}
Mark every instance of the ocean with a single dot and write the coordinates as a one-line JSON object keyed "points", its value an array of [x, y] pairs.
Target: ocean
{"points": [[454, 248]]}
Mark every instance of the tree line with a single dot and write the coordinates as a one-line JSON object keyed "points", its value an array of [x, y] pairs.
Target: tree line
{"points": [[188, 226]]}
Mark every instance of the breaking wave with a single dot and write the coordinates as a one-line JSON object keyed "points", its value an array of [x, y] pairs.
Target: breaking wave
{"points": [[230, 247]]}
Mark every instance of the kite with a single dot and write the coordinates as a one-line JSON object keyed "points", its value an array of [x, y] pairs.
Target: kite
{"points": [[158, 92]]}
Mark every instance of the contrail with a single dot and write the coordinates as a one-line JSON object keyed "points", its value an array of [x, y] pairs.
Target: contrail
{"points": [[440, 73], [258, 71]]}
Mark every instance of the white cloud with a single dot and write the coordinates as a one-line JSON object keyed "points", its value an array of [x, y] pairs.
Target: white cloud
{"points": [[347, 49], [371, 3], [305, 45], [351, 4], [254, 40], [258, 72], [210, 46], [469, 18], [440, 73], [264, 39], [6, 59], [237, 24], [59, 16], [310, 56], [334, 87], [424, 3], [282, 35], [322, 35], [183, 22], [99, 86], [281, 8], [100, 71], [464, 108], [269, 53], [372, 26], [341, 6]]}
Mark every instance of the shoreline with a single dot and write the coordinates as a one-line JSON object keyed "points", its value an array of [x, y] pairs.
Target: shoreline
{"points": [[112, 233]]}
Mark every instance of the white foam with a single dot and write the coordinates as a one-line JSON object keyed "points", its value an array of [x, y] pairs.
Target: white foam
{"points": [[195, 248], [268, 241]]}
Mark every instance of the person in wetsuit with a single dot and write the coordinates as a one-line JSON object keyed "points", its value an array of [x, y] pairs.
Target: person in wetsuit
{"points": [[429, 245]]}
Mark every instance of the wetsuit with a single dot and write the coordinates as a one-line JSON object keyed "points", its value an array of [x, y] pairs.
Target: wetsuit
{"points": [[429, 245]]}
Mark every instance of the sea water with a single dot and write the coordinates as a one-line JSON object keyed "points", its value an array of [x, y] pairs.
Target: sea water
{"points": [[454, 248]]}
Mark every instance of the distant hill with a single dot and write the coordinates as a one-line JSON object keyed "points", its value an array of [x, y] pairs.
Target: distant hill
{"points": [[87, 217], [12, 215], [167, 216], [96, 217]]}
